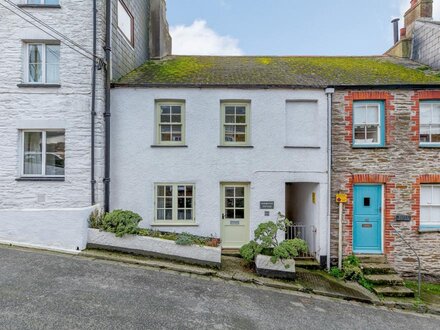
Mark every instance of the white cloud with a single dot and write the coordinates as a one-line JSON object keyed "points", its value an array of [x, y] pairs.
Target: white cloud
{"points": [[405, 5], [199, 39]]}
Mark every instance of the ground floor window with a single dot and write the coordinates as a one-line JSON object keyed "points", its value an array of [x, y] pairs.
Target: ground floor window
{"points": [[430, 206], [174, 203], [43, 153]]}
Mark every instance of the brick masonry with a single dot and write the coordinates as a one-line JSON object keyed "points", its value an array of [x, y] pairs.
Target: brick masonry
{"points": [[401, 166]]}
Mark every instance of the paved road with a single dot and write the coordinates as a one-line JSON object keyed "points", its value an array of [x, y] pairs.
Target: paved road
{"points": [[50, 291]]}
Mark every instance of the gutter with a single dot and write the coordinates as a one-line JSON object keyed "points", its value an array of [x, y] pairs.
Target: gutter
{"points": [[329, 92], [107, 112], [93, 111]]}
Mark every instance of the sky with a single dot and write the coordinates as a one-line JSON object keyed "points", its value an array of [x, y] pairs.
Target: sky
{"points": [[284, 27]]}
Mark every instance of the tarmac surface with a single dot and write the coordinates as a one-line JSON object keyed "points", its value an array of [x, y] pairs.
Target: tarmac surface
{"points": [[42, 290]]}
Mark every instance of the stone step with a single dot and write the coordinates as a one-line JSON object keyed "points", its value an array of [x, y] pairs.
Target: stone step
{"points": [[377, 269], [393, 291], [372, 258], [307, 264], [388, 279]]}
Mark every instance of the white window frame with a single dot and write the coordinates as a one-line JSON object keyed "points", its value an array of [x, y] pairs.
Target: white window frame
{"points": [[380, 123], [130, 38], [43, 153], [431, 104], [247, 106], [174, 221], [428, 223], [158, 124], [43, 61]]}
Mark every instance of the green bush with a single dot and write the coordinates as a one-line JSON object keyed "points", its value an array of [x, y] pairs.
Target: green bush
{"points": [[250, 250], [336, 272], [96, 218], [121, 222], [289, 249]]}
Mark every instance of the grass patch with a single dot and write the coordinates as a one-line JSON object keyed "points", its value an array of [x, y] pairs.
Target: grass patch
{"points": [[430, 291]]}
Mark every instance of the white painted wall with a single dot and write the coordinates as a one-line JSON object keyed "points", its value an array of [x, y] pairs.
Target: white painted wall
{"points": [[52, 229], [67, 107], [136, 166]]}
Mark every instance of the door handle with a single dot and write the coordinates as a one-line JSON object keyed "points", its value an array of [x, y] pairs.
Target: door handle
{"points": [[223, 216]]}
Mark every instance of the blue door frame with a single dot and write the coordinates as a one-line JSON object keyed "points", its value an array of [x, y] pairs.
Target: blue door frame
{"points": [[367, 219]]}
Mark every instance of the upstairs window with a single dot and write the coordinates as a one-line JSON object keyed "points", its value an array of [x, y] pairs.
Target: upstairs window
{"points": [[170, 123], [43, 63], [235, 124], [368, 124], [43, 153], [430, 123], [43, 2], [430, 206], [125, 22]]}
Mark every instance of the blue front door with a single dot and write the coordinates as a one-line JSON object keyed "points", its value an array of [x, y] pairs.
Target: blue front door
{"points": [[367, 222]]}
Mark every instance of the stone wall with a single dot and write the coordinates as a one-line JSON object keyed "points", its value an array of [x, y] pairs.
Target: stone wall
{"points": [[401, 166], [426, 43]]}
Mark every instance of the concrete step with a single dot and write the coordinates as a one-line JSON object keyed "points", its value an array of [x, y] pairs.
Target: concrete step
{"points": [[393, 291], [372, 258], [388, 279], [231, 252], [377, 269]]}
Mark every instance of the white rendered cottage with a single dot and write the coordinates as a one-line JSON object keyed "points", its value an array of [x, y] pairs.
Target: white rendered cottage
{"points": [[217, 145]]}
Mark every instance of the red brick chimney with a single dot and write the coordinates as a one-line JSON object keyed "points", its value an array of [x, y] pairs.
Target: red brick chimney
{"points": [[420, 9]]}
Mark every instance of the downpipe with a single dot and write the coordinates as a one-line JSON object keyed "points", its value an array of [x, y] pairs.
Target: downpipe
{"points": [[93, 111], [107, 113]]}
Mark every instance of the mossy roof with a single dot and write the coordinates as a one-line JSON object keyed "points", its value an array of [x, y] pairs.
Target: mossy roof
{"points": [[298, 71]]}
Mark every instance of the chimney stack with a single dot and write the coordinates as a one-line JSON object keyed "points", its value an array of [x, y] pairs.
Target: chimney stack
{"points": [[420, 9], [396, 29]]}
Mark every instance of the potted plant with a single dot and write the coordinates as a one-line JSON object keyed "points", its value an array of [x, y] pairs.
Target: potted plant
{"points": [[272, 258]]}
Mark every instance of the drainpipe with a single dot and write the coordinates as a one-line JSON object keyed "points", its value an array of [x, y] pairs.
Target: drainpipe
{"points": [[107, 105], [329, 92], [93, 111]]}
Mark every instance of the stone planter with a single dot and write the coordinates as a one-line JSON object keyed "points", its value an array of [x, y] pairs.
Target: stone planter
{"points": [[155, 247], [265, 267]]}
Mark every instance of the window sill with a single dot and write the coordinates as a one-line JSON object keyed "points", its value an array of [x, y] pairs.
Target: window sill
{"points": [[302, 147], [39, 85], [429, 229], [369, 147], [41, 179], [169, 146], [173, 224], [27, 5], [237, 146], [428, 146]]}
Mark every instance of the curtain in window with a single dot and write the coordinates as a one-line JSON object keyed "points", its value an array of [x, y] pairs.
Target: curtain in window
{"points": [[33, 153], [35, 63]]}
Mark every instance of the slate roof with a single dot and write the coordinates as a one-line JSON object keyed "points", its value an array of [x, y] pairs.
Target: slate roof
{"points": [[272, 72]]}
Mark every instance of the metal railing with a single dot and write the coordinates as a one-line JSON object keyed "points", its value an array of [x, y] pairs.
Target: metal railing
{"points": [[304, 232], [418, 260]]}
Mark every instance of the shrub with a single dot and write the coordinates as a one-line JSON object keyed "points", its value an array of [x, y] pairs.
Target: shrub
{"points": [[121, 222], [250, 250], [336, 272], [289, 249], [185, 239]]}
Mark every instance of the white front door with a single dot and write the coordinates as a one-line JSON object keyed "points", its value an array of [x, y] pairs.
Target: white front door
{"points": [[235, 215]]}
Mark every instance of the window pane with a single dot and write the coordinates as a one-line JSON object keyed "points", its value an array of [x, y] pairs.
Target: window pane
{"points": [[240, 110], [176, 109], [229, 192], [436, 113], [160, 203], [435, 134], [359, 115], [55, 144], [181, 203], [359, 134], [35, 63], [240, 138], [229, 202], [169, 190], [230, 110], [435, 215], [180, 214], [160, 190], [229, 214], [425, 214], [160, 214], [229, 119], [189, 215], [239, 214], [425, 134], [436, 195], [189, 191], [240, 119], [165, 109], [51, 2], [125, 22], [373, 114], [52, 64], [425, 195], [168, 214], [188, 203], [180, 190], [33, 153], [176, 118], [239, 192], [168, 203], [372, 134], [425, 114], [165, 119], [239, 202]]}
